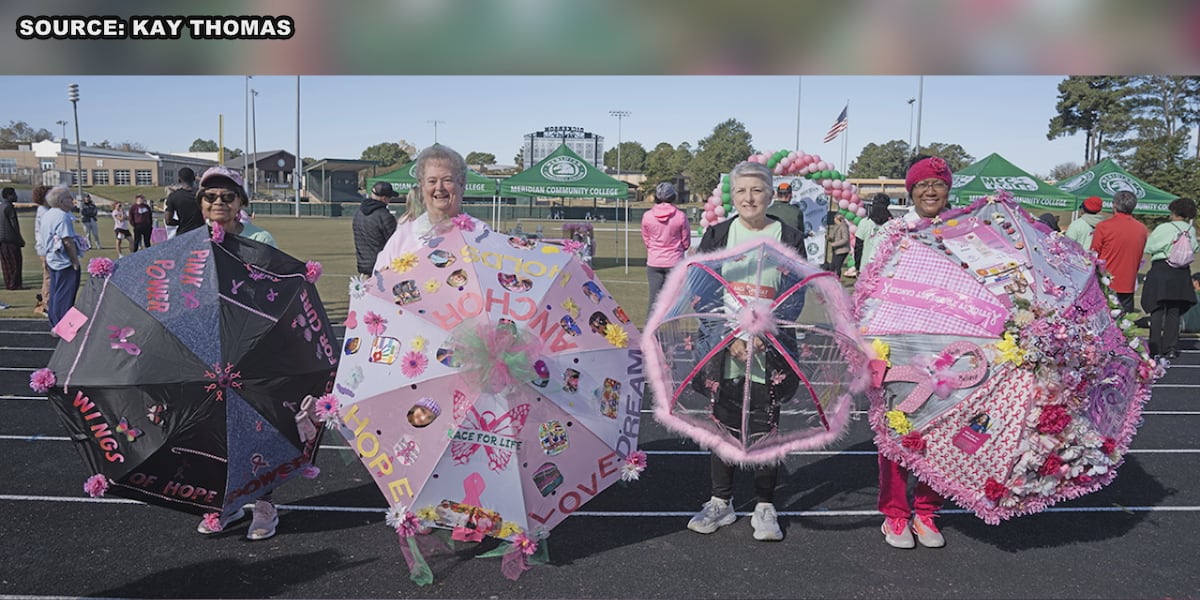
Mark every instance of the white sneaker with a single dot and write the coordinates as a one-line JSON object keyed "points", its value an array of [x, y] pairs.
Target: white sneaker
{"points": [[715, 514], [766, 523], [265, 520], [927, 533], [204, 529], [897, 534]]}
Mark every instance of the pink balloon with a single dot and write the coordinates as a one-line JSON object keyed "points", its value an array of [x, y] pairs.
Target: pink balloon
{"points": [[792, 155], [710, 214], [853, 228], [855, 197], [779, 169], [843, 204], [862, 212]]}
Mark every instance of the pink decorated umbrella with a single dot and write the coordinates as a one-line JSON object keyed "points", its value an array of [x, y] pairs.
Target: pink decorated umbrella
{"points": [[486, 384], [754, 309], [1007, 377]]}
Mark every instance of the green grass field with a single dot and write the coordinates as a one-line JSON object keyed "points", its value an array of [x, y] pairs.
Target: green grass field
{"points": [[331, 242]]}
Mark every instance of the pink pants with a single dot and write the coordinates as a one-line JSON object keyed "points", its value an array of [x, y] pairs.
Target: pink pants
{"points": [[893, 492]]}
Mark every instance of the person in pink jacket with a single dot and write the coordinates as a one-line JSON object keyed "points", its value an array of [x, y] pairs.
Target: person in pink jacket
{"points": [[667, 236]]}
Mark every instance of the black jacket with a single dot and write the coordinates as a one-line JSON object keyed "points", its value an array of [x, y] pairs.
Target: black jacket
{"points": [[373, 225], [10, 229]]}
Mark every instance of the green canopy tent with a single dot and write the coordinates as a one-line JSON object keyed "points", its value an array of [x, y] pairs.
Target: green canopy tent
{"points": [[563, 174], [1108, 178], [993, 173], [405, 178]]}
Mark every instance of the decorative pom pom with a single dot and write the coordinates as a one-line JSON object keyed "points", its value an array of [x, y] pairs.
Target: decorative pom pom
{"points": [[572, 246], [403, 521], [42, 380], [755, 318], [100, 267], [218, 232], [212, 521], [96, 485], [312, 271], [496, 357]]}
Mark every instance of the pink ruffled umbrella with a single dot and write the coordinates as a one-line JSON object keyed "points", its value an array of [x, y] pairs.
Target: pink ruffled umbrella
{"points": [[759, 309], [1007, 377]]}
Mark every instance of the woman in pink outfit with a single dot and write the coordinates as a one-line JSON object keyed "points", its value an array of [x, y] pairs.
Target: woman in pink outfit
{"points": [[667, 237]]}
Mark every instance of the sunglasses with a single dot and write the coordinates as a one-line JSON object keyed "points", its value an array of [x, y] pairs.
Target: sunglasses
{"points": [[226, 197]]}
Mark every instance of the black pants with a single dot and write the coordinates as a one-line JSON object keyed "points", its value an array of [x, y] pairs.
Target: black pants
{"points": [[1164, 327], [1126, 300], [727, 409], [10, 259], [836, 265], [141, 235], [858, 249]]}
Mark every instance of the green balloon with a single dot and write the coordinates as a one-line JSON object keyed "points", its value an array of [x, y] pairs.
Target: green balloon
{"points": [[725, 196], [857, 219], [725, 185]]}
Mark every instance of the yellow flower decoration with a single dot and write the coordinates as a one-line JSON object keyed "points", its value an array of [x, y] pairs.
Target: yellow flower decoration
{"points": [[882, 350], [433, 285], [508, 529], [898, 421], [616, 335], [418, 344], [404, 263], [1009, 351], [427, 514], [570, 306]]}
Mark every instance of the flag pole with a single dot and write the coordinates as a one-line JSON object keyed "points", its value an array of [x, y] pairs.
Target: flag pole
{"points": [[845, 134], [799, 88]]}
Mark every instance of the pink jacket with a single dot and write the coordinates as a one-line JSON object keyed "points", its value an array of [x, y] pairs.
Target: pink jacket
{"points": [[666, 234]]}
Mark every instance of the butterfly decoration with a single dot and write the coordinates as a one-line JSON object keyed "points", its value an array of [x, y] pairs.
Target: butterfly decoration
{"points": [[507, 425], [154, 413], [130, 432]]}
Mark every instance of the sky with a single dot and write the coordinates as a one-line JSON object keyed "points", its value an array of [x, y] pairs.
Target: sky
{"points": [[340, 116]]}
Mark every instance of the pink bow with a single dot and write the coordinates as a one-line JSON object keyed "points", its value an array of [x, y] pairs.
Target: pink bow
{"points": [[937, 377]]}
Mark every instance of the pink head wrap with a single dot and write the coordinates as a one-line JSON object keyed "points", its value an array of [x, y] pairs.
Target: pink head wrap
{"points": [[928, 168]]}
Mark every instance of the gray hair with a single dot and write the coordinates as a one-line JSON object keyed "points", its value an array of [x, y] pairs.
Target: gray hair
{"points": [[60, 196], [753, 169], [1124, 202], [445, 154]]}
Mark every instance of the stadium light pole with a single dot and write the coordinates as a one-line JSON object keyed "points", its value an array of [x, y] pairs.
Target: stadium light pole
{"points": [[436, 121], [73, 96], [64, 128], [920, 110], [911, 112], [254, 145], [620, 115], [246, 120]]}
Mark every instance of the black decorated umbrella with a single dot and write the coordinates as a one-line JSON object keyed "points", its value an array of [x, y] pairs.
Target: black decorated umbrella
{"points": [[188, 373]]}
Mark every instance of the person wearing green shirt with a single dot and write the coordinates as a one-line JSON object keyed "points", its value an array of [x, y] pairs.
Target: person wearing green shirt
{"points": [[1167, 292]]}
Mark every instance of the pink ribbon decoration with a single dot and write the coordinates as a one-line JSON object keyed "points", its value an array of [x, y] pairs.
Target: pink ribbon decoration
{"points": [[119, 340], [937, 377]]}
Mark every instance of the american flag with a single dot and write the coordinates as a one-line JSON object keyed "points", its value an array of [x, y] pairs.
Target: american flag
{"points": [[838, 126]]}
